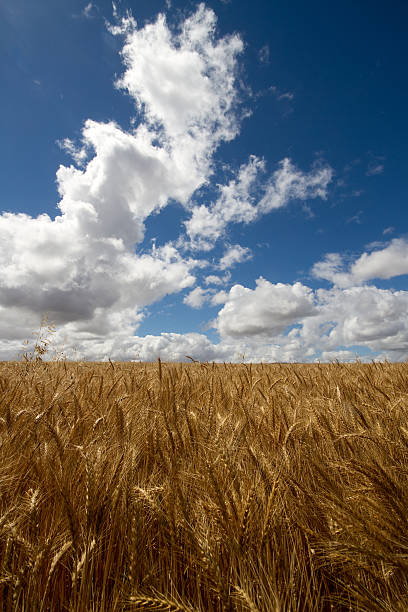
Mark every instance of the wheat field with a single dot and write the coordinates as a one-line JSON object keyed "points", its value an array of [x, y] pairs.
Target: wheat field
{"points": [[203, 487]]}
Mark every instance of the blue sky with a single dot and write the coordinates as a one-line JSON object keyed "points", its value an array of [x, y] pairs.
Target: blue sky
{"points": [[216, 179]]}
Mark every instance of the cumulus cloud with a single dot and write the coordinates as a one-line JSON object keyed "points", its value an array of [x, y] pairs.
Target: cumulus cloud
{"points": [[213, 279], [197, 297], [294, 323], [67, 268], [175, 347], [331, 268], [384, 263], [89, 267], [265, 311], [220, 297], [83, 267], [388, 262], [183, 82], [276, 322], [358, 316]]}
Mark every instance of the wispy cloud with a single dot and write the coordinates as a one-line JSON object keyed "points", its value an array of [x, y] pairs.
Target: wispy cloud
{"points": [[247, 197], [264, 54], [374, 169], [88, 10], [234, 255], [375, 165], [287, 95], [78, 153], [355, 218]]}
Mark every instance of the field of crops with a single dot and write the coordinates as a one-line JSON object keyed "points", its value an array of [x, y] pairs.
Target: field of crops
{"points": [[203, 487]]}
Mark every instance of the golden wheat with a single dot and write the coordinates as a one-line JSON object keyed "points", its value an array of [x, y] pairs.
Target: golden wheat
{"points": [[203, 487]]}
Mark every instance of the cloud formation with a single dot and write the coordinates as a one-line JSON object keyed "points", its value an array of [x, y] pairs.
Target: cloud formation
{"points": [[388, 262], [185, 83], [83, 267], [265, 311], [90, 269], [246, 198], [234, 255], [277, 322], [197, 297]]}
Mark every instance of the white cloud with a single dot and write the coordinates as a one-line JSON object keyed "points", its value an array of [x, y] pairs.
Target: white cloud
{"points": [[326, 324], [78, 154], [168, 346], [236, 202], [235, 254], [365, 316], [127, 180], [197, 297], [66, 267], [384, 263], [83, 266], [356, 218], [87, 11], [213, 279], [221, 297], [175, 347], [288, 183], [87, 267], [264, 54], [265, 311], [334, 324], [331, 268], [183, 82], [276, 322], [374, 168], [287, 95]]}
